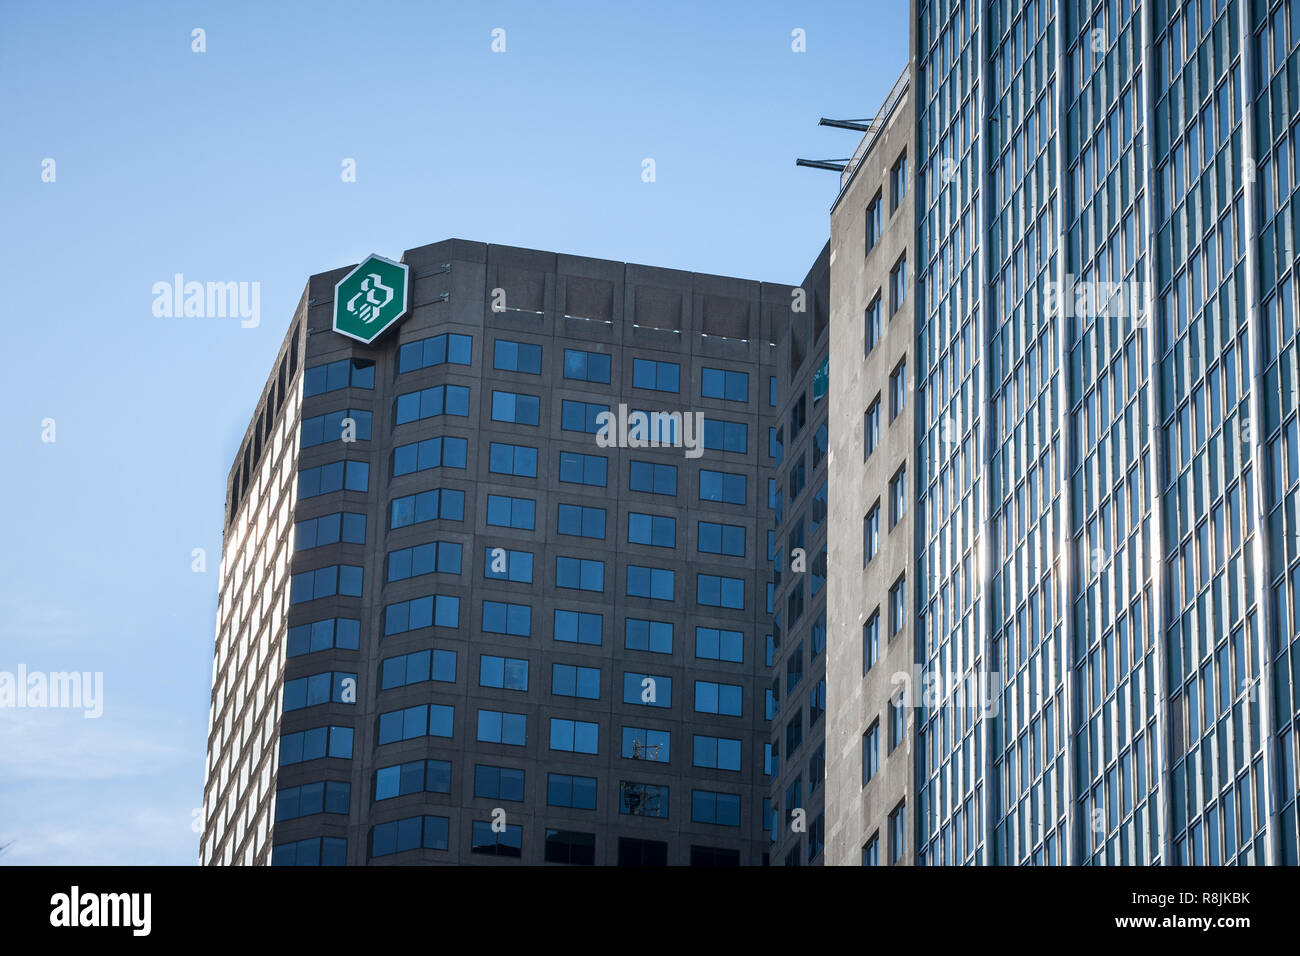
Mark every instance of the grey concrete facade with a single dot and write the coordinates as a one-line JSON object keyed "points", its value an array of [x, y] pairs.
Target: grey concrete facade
{"points": [[859, 689], [557, 302], [798, 641]]}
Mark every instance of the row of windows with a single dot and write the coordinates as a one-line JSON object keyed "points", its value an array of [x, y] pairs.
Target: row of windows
{"points": [[576, 627], [345, 373], [432, 403], [312, 798], [512, 356], [442, 557], [338, 579], [561, 846], [316, 743], [417, 667], [434, 609], [343, 633], [569, 735], [336, 686], [416, 776], [346, 527], [440, 452], [445, 504], [436, 350], [336, 476], [521, 461], [500, 564], [347, 423]]}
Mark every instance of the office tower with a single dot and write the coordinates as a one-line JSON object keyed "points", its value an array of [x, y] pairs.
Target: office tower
{"points": [[1105, 406], [455, 625], [869, 730], [796, 544]]}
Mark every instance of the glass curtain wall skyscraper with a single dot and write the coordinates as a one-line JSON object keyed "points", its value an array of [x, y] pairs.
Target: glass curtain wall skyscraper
{"points": [[1106, 423]]}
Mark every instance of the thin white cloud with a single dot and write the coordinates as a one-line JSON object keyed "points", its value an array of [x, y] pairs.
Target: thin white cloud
{"points": [[64, 745], [102, 836], [42, 623]]}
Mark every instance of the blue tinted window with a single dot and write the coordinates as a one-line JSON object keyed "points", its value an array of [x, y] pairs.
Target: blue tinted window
{"points": [[574, 736], [583, 469], [712, 698], [656, 583], [640, 743], [334, 427], [565, 790], [331, 686], [650, 690], [336, 476], [448, 347], [722, 486], [653, 478], [486, 839], [511, 356], [501, 564], [716, 591], [448, 452], [577, 627], [499, 783], [569, 680], [581, 521], [415, 668], [720, 383], [432, 720], [322, 635], [507, 673], [499, 727], [413, 833], [435, 609], [579, 573], [714, 538], [726, 436], [660, 376], [653, 636], [337, 579], [446, 504], [656, 530], [434, 557], [716, 753], [581, 416], [586, 366], [514, 407], [508, 512], [417, 776], [643, 799], [354, 373], [503, 618], [720, 808], [714, 644], [520, 460]]}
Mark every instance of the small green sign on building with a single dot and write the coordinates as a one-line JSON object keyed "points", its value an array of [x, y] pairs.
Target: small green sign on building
{"points": [[371, 298], [822, 380]]}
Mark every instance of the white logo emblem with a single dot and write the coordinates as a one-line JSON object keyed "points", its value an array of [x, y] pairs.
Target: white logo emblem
{"points": [[377, 296]]}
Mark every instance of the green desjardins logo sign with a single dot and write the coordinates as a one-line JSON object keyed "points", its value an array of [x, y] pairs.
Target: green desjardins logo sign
{"points": [[371, 298]]}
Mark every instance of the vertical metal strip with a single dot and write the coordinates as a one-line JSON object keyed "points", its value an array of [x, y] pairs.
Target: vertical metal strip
{"points": [[1066, 577], [987, 801], [1272, 837], [1155, 475]]}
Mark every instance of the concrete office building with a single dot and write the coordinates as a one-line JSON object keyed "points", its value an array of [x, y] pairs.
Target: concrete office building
{"points": [[1105, 438], [870, 729], [796, 698], [446, 604]]}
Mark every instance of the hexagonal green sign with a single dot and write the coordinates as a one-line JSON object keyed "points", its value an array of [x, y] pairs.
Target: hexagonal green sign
{"points": [[371, 298]]}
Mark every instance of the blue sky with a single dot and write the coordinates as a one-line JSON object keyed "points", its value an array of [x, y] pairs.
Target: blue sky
{"points": [[225, 166]]}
